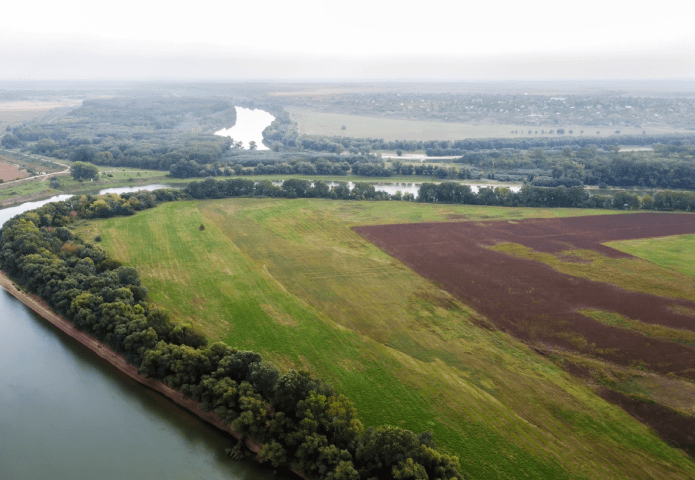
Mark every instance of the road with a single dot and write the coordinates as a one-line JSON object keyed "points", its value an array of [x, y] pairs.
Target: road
{"points": [[36, 177]]}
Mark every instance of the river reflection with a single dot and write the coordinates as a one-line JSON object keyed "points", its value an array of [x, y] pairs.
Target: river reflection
{"points": [[411, 188]]}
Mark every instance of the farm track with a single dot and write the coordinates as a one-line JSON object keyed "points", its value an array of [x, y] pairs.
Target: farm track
{"points": [[538, 303]]}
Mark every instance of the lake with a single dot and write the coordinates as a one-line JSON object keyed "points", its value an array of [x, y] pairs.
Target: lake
{"points": [[249, 126]]}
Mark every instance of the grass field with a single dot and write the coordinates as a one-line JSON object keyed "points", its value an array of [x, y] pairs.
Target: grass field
{"points": [[292, 280], [633, 274], [676, 253], [664, 267], [318, 123]]}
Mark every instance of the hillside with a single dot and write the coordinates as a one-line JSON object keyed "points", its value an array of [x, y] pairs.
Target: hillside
{"points": [[292, 280]]}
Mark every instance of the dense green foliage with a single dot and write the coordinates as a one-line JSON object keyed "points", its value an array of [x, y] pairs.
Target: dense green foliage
{"points": [[300, 420], [446, 192], [82, 171], [151, 133], [668, 166], [166, 133]]}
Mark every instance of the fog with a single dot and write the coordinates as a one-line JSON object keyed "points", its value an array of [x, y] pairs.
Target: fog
{"points": [[360, 40]]}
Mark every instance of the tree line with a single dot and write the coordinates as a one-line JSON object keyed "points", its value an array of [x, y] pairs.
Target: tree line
{"points": [[300, 420], [446, 192]]}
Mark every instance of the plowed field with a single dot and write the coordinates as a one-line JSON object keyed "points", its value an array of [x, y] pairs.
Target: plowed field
{"points": [[540, 304]]}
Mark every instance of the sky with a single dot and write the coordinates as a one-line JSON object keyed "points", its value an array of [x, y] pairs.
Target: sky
{"points": [[354, 40]]}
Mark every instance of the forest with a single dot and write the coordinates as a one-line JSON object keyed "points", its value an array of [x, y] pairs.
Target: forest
{"points": [[151, 133], [175, 134]]}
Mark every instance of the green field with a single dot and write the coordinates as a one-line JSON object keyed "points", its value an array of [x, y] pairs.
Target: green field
{"points": [[292, 280], [635, 274], [676, 252], [359, 126], [663, 267]]}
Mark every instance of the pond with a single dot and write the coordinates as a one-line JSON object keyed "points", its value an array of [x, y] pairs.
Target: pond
{"points": [[249, 127]]}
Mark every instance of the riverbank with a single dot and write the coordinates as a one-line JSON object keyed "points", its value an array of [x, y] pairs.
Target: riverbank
{"points": [[118, 361], [82, 190]]}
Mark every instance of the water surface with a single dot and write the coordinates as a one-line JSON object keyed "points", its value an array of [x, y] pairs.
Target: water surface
{"points": [[249, 126], [67, 414]]}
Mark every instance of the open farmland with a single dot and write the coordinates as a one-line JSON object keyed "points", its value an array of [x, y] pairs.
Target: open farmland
{"points": [[516, 284], [18, 112], [552, 283], [8, 170], [390, 129], [676, 252], [292, 280]]}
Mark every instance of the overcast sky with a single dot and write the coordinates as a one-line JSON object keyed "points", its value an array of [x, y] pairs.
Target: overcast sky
{"points": [[356, 39]]}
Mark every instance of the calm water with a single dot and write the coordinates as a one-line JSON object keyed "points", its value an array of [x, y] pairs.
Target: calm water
{"points": [[412, 188], [249, 126], [66, 414]]}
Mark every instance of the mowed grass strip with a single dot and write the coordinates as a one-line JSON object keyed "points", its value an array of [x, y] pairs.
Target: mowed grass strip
{"points": [[676, 252], [633, 274], [289, 278], [614, 319]]}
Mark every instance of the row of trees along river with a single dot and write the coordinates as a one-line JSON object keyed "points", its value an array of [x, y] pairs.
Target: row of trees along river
{"points": [[66, 414], [299, 420]]}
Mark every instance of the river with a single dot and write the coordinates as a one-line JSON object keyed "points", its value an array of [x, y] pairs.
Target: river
{"points": [[249, 127], [67, 414]]}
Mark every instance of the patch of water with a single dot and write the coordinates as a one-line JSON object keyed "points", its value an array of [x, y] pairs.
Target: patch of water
{"points": [[249, 127]]}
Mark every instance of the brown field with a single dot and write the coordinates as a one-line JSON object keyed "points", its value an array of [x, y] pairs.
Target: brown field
{"points": [[9, 172], [537, 302], [566, 315]]}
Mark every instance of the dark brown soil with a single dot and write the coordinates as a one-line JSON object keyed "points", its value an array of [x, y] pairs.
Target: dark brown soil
{"points": [[677, 428], [537, 303]]}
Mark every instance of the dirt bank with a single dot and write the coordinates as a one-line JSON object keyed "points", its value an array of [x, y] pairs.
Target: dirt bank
{"points": [[118, 361]]}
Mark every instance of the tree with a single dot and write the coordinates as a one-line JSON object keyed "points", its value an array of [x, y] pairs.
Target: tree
{"points": [[647, 202], [10, 141], [252, 145], [82, 170]]}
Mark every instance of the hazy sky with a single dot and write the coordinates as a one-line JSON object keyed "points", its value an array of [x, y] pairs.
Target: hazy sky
{"points": [[79, 39]]}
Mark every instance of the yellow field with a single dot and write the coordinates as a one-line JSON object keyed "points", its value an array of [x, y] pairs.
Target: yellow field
{"points": [[18, 112]]}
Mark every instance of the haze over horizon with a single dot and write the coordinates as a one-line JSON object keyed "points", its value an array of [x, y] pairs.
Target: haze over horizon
{"points": [[367, 41]]}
